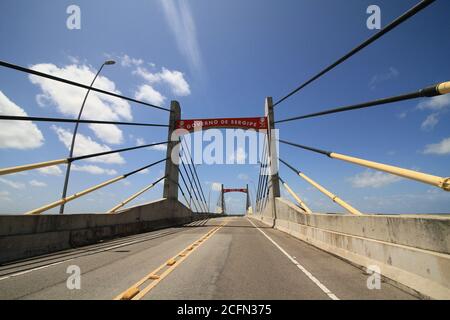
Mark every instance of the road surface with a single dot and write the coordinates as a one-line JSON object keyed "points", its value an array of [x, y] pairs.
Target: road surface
{"points": [[237, 258]]}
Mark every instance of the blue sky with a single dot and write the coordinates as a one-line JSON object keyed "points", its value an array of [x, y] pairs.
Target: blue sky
{"points": [[221, 59]]}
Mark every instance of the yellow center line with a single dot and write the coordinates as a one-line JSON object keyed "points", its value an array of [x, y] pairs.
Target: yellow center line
{"points": [[153, 278]]}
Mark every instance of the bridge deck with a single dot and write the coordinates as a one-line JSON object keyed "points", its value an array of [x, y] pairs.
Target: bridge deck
{"points": [[237, 262]]}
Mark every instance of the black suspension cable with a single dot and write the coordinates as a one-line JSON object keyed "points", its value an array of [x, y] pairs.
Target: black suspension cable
{"points": [[260, 170], [289, 166], [44, 119], [195, 170], [327, 153], [265, 190], [410, 13], [195, 183], [265, 182], [190, 182], [431, 91], [282, 181], [258, 193], [114, 151], [266, 198], [183, 194], [192, 202], [187, 188], [143, 168], [73, 83], [184, 197]]}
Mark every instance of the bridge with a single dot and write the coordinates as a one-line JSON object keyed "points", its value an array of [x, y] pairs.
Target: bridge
{"points": [[178, 247]]}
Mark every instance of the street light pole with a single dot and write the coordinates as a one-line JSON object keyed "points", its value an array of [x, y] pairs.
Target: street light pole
{"points": [[69, 165]]}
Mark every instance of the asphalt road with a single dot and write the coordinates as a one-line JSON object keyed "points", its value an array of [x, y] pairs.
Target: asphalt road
{"points": [[235, 259]]}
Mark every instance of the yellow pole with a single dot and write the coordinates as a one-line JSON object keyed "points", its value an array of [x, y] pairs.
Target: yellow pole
{"points": [[444, 87], [134, 196], [74, 196], [332, 196], [297, 198], [443, 183], [32, 166]]}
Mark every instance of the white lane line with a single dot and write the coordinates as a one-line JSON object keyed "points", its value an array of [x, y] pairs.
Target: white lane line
{"points": [[306, 272], [93, 252], [34, 269], [88, 252]]}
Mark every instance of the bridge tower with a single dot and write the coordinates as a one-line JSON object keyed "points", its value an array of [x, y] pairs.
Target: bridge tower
{"points": [[173, 158], [274, 185], [248, 203]]}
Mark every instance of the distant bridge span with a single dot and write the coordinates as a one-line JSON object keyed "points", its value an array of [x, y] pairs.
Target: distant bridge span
{"points": [[177, 248]]}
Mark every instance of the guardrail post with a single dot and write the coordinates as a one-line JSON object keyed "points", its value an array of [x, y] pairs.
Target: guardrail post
{"points": [[274, 185], [171, 182]]}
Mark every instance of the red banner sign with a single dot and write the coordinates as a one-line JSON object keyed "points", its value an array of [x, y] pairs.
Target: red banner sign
{"points": [[240, 123], [234, 190]]}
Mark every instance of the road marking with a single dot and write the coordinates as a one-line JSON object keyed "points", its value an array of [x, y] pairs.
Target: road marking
{"points": [[94, 251], [34, 269], [155, 277], [303, 269]]}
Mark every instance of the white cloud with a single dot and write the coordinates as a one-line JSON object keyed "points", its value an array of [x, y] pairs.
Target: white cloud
{"points": [[150, 95], [74, 60], [94, 170], [13, 184], [17, 134], [5, 196], [145, 171], [441, 148], [175, 80], [50, 171], [38, 184], [402, 115], [108, 133], [438, 105], [179, 17], [140, 141], [237, 157], [430, 122], [68, 99], [127, 61], [243, 176], [42, 100], [85, 145], [159, 147], [216, 186], [379, 78], [373, 179]]}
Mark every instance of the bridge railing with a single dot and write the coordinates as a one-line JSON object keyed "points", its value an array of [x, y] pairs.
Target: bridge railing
{"points": [[265, 181], [200, 206]]}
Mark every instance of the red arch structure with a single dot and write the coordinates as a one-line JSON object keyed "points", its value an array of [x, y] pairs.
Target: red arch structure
{"points": [[258, 123], [235, 190], [221, 201]]}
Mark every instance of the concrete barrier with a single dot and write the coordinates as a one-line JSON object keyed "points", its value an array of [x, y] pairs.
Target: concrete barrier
{"points": [[28, 236], [410, 250]]}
